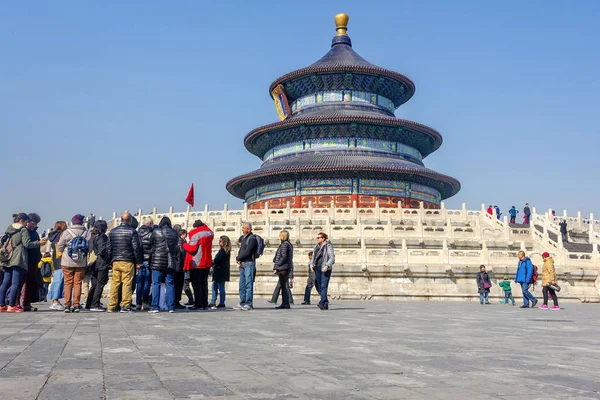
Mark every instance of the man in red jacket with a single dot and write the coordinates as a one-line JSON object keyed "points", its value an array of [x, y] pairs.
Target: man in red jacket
{"points": [[198, 260]]}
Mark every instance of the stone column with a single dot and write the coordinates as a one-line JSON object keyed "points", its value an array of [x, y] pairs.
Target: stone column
{"points": [[171, 213], [463, 212], [225, 213], [404, 252], [445, 252], [579, 221], [188, 210], [245, 212], [506, 228]]}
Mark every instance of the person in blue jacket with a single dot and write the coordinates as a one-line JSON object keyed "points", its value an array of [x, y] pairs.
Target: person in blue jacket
{"points": [[513, 214], [524, 278]]}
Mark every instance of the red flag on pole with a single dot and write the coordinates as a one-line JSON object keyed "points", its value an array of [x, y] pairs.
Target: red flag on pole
{"points": [[190, 197]]}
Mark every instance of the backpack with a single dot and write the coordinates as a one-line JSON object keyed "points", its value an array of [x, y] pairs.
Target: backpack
{"points": [[46, 270], [6, 249], [78, 247], [260, 246], [534, 275]]}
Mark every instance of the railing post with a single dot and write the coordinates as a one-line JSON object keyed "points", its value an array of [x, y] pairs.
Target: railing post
{"points": [[579, 221], [591, 229], [188, 210], [225, 212]]}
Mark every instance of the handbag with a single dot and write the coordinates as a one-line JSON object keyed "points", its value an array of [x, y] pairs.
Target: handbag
{"points": [[486, 285], [556, 288]]}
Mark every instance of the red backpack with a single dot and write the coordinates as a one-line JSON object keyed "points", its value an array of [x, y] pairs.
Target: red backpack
{"points": [[534, 276]]}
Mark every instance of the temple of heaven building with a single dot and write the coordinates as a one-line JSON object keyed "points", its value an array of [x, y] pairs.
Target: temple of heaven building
{"points": [[339, 140]]}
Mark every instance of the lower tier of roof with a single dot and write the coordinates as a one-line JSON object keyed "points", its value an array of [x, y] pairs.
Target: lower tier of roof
{"points": [[342, 164]]}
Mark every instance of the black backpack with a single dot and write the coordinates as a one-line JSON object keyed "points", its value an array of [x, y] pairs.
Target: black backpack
{"points": [[260, 246], [46, 270]]}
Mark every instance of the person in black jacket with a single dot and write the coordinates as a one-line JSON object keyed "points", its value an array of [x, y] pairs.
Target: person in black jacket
{"points": [[99, 245], [163, 262], [283, 265], [179, 272], [563, 231], [221, 272], [144, 275], [246, 260], [126, 254], [30, 291]]}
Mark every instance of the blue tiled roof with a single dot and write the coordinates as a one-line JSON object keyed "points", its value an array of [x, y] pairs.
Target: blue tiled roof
{"points": [[345, 163]]}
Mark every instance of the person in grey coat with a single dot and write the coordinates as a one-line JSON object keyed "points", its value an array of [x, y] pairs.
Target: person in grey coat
{"points": [[322, 264]]}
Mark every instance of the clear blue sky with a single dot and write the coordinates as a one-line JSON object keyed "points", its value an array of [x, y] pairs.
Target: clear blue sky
{"points": [[107, 106]]}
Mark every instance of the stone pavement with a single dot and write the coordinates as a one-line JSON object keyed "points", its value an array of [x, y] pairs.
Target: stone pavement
{"points": [[356, 350]]}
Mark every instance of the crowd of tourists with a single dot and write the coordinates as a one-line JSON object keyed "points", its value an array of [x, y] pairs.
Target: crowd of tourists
{"points": [[156, 262]]}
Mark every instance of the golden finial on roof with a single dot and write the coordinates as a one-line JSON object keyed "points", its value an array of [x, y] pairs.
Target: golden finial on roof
{"points": [[341, 24]]}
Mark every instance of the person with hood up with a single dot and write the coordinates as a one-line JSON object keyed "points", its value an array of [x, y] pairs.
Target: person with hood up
{"points": [[524, 278], [513, 214], [57, 286], [144, 274], [163, 262], [73, 269], [16, 267], [498, 212], [198, 260], [47, 261], [99, 244], [548, 282], [483, 285]]}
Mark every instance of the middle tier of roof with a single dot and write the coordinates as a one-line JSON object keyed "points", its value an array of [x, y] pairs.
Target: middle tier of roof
{"points": [[339, 122]]}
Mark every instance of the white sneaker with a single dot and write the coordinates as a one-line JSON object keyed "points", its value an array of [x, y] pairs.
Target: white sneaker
{"points": [[247, 307], [171, 311], [238, 307], [57, 307], [154, 311]]}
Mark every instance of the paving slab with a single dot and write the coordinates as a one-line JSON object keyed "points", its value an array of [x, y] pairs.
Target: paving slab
{"points": [[355, 350]]}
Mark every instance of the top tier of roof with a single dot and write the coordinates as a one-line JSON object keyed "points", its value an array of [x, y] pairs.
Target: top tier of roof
{"points": [[351, 70]]}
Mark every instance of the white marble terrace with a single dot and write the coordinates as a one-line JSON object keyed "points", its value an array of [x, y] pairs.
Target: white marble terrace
{"points": [[401, 253]]}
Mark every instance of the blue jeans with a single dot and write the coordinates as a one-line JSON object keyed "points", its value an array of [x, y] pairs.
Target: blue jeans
{"points": [[220, 287], [484, 297], [169, 282], [247, 282], [508, 296], [527, 296], [322, 279], [144, 280], [13, 279]]}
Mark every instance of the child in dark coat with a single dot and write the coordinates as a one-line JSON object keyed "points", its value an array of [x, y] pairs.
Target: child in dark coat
{"points": [[483, 285]]}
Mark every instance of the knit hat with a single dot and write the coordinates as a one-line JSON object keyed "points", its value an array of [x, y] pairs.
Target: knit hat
{"points": [[77, 219], [545, 254]]}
